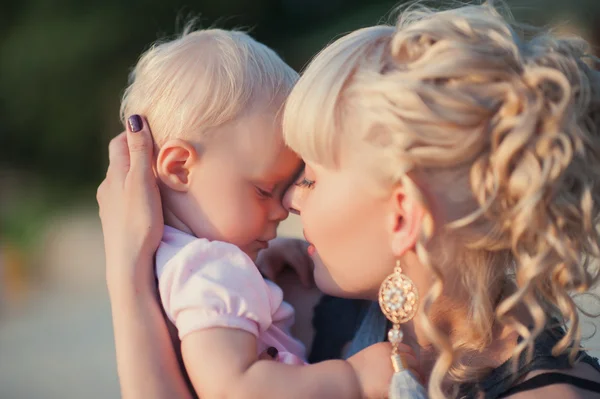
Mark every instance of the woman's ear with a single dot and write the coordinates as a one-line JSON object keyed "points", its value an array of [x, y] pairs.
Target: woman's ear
{"points": [[173, 163], [405, 221]]}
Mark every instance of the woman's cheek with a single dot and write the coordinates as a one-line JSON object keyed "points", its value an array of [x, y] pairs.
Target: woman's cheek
{"points": [[309, 215]]}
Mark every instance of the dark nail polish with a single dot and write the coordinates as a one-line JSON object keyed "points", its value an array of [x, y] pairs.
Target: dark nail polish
{"points": [[272, 351], [135, 123]]}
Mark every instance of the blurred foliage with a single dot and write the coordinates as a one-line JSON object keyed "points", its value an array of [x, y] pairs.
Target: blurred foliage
{"points": [[64, 65]]}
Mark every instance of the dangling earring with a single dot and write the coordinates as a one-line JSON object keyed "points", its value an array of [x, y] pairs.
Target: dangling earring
{"points": [[399, 300]]}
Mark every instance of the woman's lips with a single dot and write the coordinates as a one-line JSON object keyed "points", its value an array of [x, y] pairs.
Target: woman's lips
{"points": [[311, 248]]}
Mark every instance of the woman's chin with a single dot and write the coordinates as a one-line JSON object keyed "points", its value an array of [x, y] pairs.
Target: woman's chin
{"points": [[323, 279], [328, 285]]}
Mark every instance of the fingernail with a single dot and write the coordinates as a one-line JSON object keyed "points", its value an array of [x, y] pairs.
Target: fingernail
{"points": [[272, 351], [135, 123]]}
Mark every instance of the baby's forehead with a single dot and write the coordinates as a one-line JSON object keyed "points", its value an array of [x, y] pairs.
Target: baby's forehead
{"points": [[273, 165], [260, 128], [276, 165], [255, 143]]}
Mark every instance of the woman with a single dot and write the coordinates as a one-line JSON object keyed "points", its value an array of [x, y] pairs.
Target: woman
{"points": [[447, 154]]}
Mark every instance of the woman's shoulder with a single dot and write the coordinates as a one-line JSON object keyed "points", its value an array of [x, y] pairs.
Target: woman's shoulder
{"points": [[538, 374], [557, 391], [582, 381]]}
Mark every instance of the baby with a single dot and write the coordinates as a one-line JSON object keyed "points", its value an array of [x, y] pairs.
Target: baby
{"points": [[212, 98]]}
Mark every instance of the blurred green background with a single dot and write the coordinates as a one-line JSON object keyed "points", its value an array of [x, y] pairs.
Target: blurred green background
{"points": [[63, 68], [64, 65]]}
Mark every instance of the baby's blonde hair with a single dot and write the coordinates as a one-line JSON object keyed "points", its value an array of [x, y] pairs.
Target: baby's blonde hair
{"points": [[503, 130], [203, 79]]}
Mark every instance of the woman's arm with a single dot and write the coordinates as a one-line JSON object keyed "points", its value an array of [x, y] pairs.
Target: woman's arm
{"points": [[132, 224], [146, 360]]}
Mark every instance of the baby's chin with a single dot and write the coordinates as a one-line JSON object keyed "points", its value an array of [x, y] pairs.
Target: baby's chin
{"points": [[253, 249], [250, 251], [252, 254]]}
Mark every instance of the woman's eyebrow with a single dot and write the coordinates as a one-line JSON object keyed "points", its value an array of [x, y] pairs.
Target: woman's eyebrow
{"points": [[296, 175], [299, 172]]}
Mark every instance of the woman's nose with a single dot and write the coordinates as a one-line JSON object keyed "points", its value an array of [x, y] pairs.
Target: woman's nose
{"points": [[291, 199]]}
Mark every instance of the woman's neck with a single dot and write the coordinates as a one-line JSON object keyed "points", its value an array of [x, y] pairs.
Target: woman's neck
{"points": [[499, 351], [451, 315]]}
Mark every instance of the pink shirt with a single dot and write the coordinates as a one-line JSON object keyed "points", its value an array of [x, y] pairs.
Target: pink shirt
{"points": [[205, 284]]}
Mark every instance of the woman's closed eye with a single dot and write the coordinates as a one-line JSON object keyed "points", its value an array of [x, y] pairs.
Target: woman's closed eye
{"points": [[306, 183]]}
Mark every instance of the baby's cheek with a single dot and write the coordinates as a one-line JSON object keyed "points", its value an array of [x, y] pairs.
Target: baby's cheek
{"points": [[249, 223]]}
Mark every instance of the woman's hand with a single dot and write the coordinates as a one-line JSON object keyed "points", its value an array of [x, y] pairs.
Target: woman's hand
{"points": [[373, 368], [130, 206], [132, 224]]}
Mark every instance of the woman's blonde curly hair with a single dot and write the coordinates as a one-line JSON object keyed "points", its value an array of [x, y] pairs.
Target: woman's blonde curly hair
{"points": [[503, 130]]}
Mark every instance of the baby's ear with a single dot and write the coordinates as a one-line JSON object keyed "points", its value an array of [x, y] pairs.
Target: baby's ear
{"points": [[173, 164]]}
